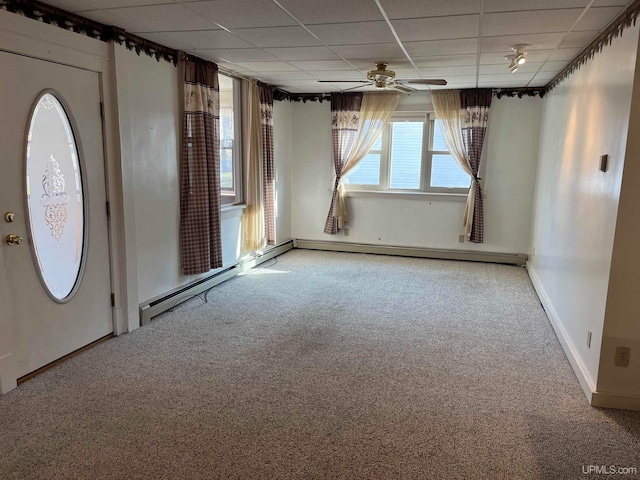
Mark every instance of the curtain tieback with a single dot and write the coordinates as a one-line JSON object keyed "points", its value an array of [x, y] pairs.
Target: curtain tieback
{"points": [[476, 178]]}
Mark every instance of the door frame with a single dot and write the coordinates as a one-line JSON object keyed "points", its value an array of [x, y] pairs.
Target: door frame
{"points": [[27, 37]]}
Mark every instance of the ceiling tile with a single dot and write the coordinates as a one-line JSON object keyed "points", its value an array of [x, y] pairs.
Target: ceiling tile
{"points": [[545, 76], [314, 65], [533, 56], [529, 67], [536, 21], [597, 18], [448, 71], [471, 84], [162, 39], [433, 8], [353, 33], [515, 5], [208, 39], [553, 66], [267, 66], [241, 54], [578, 39], [378, 50], [394, 63], [405, 73], [564, 54], [234, 13], [125, 3], [445, 60], [285, 76], [277, 37], [339, 75], [518, 78], [543, 41], [437, 28], [71, 5], [442, 47], [106, 17], [608, 3], [458, 79], [507, 83], [537, 83], [303, 53], [312, 12], [164, 18]]}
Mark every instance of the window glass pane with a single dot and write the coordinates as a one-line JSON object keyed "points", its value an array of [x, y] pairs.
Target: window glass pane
{"points": [[226, 134], [406, 155], [55, 197], [367, 172], [438, 140], [378, 144], [445, 172]]}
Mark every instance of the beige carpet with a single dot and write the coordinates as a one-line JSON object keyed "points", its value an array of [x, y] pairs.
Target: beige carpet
{"points": [[321, 366]]}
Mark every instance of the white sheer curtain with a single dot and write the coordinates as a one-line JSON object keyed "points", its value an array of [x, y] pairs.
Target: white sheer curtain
{"points": [[447, 107], [375, 114], [253, 231]]}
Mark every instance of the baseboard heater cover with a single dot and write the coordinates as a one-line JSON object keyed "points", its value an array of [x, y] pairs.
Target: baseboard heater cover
{"points": [[518, 259], [168, 300]]}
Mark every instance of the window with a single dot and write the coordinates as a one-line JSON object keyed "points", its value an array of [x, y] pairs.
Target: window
{"points": [[230, 144], [409, 156]]}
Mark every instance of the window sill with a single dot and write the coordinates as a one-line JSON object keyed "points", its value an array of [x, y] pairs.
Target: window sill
{"points": [[429, 196], [231, 211]]}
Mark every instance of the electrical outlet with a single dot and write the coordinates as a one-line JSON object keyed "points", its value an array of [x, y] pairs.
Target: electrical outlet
{"points": [[346, 232], [622, 357], [589, 338], [461, 239]]}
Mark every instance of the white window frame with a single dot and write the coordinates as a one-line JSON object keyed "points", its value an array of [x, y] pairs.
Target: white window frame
{"points": [[426, 160], [237, 146]]}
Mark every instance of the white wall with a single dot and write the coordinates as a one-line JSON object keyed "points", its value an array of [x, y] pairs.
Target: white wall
{"points": [[153, 105], [512, 151], [283, 154], [622, 316], [575, 204]]}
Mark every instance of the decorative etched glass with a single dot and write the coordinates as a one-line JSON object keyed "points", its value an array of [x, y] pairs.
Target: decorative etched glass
{"points": [[55, 197]]}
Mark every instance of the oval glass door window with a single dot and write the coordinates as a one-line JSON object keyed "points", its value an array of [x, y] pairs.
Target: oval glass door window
{"points": [[55, 197]]}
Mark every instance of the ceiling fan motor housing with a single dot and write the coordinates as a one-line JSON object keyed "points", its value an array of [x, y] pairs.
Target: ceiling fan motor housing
{"points": [[381, 76]]}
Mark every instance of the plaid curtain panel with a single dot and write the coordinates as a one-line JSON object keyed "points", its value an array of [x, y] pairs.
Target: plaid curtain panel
{"points": [[345, 117], [268, 165], [474, 118], [200, 237]]}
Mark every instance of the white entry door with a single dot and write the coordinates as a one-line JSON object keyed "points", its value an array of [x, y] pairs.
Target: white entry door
{"points": [[53, 218]]}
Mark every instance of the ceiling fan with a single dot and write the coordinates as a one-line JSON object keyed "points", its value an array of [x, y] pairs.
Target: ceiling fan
{"points": [[383, 78]]}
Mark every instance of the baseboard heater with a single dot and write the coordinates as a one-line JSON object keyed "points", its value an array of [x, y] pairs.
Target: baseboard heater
{"points": [[164, 302], [518, 259]]}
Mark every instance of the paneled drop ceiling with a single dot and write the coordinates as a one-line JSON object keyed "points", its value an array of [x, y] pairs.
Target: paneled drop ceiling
{"points": [[295, 43]]}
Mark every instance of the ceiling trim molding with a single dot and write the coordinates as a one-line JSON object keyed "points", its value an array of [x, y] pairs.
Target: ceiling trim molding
{"points": [[614, 30], [282, 95], [75, 23]]}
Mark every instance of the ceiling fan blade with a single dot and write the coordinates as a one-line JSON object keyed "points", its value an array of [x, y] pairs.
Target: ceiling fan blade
{"points": [[429, 81], [344, 81]]}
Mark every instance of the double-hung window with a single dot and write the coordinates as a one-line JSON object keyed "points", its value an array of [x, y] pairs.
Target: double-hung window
{"points": [[410, 156], [230, 144]]}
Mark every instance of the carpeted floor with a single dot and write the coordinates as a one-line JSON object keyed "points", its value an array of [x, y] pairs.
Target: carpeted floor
{"points": [[321, 366]]}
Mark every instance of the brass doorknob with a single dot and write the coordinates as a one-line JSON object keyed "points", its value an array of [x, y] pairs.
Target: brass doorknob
{"points": [[14, 239]]}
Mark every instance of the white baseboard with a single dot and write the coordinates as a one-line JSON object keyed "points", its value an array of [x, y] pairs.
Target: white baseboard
{"points": [[7, 375], [595, 398], [615, 400], [586, 382], [444, 254]]}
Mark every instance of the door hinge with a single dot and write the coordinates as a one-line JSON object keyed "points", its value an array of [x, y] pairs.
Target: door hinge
{"points": [[102, 110], [113, 299], [108, 209]]}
